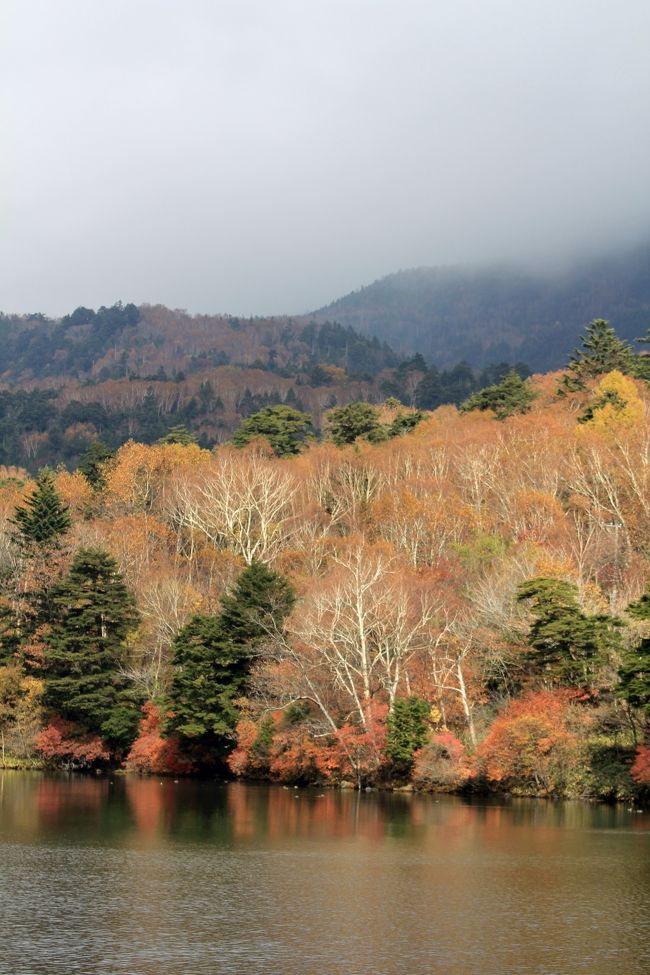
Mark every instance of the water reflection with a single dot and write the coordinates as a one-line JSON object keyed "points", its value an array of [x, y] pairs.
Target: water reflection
{"points": [[128, 875]]}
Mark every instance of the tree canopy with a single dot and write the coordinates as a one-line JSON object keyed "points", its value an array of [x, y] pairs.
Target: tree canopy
{"points": [[567, 646], [85, 650], [212, 657], [511, 395], [285, 428]]}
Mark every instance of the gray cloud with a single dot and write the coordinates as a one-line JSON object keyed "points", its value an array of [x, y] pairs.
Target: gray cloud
{"points": [[262, 156]]}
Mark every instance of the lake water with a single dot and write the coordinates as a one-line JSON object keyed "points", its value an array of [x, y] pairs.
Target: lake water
{"points": [[104, 876]]}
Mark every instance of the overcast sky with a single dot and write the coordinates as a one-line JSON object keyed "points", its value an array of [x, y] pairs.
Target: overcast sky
{"points": [[268, 156]]}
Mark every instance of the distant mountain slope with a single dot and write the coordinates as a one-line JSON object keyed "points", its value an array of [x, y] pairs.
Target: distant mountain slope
{"points": [[124, 371], [490, 314], [124, 341]]}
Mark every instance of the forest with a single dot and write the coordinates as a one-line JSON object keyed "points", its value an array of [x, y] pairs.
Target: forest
{"points": [[123, 372], [438, 599]]}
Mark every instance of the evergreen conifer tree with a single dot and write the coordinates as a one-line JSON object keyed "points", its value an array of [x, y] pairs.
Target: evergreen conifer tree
{"points": [[567, 646], [212, 658], [42, 520], [285, 428], [601, 352], [93, 464], [511, 395], [348, 423], [407, 731], [93, 614], [178, 434], [634, 674]]}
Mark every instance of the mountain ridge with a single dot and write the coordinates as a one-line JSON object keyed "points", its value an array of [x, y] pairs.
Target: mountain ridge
{"points": [[505, 311]]}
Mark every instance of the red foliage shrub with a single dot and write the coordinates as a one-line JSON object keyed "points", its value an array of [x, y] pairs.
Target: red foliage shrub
{"points": [[61, 742], [640, 770], [530, 745], [294, 756], [153, 754], [243, 760], [289, 753], [441, 762], [358, 752]]}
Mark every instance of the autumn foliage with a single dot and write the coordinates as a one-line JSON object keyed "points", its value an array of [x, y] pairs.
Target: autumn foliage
{"points": [[532, 744], [60, 742], [641, 768], [153, 753], [410, 559]]}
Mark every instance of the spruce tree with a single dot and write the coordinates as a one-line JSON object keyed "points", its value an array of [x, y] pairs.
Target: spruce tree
{"points": [[407, 731], [208, 675], [93, 614], [43, 519], [601, 352], [212, 657], [259, 602]]}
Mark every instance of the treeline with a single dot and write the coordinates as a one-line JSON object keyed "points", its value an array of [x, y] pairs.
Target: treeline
{"points": [[449, 600]]}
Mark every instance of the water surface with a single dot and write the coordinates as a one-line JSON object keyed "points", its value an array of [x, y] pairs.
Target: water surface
{"points": [[108, 877]]}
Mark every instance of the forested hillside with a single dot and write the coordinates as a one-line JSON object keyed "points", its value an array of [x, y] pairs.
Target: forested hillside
{"points": [[125, 372], [489, 314], [445, 600]]}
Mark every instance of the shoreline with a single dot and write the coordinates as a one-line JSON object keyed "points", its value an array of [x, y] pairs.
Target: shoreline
{"points": [[406, 789]]}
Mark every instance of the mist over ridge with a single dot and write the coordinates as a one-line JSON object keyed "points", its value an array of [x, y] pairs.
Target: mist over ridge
{"points": [[489, 312], [264, 159]]}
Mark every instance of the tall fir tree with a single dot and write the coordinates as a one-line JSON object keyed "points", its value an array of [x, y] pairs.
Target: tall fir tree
{"points": [[601, 352], [85, 651], [40, 526], [42, 520], [212, 657]]}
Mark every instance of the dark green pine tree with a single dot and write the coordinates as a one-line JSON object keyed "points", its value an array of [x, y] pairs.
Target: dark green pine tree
{"points": [[428, 392], [634, 675], [407, 731], [178, 434], [285, 428], [567, 646], [641, 361], [94, 462], [208, 676], [512, 395], [93, 614], [601, 352], [43, 519], [260, 601], [212, 658], [348, 423]]}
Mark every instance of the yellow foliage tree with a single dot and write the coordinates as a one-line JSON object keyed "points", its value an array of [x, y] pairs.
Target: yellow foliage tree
{"points": [[616, 404]]}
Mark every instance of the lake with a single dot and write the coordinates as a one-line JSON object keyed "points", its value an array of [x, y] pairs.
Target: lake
{"points": [[144, 876]]}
